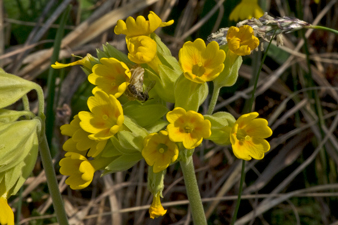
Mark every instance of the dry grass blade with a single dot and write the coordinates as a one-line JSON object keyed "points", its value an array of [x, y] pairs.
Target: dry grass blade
{"points": [[37, 36], [86, 31], [114, 203], [268, 205]]}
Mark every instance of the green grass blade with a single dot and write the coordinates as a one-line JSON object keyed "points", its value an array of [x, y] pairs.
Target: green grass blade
{"points": [[50, 113]]}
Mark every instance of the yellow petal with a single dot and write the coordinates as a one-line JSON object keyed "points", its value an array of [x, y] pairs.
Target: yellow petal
{"points": [[156, 209], [6, 213]]}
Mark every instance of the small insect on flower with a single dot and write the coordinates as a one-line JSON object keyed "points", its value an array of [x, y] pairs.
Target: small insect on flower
{"points": [[135, 88]]}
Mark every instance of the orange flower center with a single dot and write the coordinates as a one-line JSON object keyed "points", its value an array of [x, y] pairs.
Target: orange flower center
{"points": [[198, 69], [242, 136], [162, 148], [104, 117], [188, 129]]}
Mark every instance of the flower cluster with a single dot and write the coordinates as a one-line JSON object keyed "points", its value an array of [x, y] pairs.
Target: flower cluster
{"points": [[125, 122]]}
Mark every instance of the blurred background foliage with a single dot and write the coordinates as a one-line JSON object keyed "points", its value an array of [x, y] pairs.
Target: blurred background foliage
{"points": [[296, 93]]}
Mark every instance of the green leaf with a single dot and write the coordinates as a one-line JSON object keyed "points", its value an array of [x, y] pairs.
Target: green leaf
{"points": [[165, 82], [140, 112], [134, 127], [124, 162], [122, 148], [130, 141], [111, 51], [109, 150], [157, 126], [101, 54], [162, 49]]}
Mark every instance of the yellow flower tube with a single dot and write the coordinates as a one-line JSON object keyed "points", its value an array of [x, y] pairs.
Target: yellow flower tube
{"points": [[156, 209]]}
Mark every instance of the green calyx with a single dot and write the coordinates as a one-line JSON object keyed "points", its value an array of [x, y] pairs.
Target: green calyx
{"points": [[229, 75], [221, 125], [155, 181]]}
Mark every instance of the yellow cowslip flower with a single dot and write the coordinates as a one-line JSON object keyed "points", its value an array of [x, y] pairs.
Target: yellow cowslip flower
{"points": [[111, 76], [79, 141], [142, 49], [201, 63], [156, 209], [159, 151], [242, 40], [78, 168], [6, 213], [248, 135], [85, 62], [246, 10], [141, 26], [105, 118], [187, 127], [317, 1]]}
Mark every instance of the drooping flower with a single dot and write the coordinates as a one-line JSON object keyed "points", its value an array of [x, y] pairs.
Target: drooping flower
{"points": [[159, 151], [242, 40], [187, 127], [78, 168], [141, 26], [86, 62], [105, 118], [201, 63], [245, 10], [156, 209], [6, 213], [248, 135], [111, 76], [79, 141], [142, 49]]}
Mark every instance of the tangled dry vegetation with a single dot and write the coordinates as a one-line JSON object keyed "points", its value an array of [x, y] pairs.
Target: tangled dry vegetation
{"points": [[296, 183]]}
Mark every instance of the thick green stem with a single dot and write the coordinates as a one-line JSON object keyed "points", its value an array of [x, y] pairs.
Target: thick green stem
{"points": [[48, 164], [233, 220], [52, 182], [213, 100], [194, 196]]}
